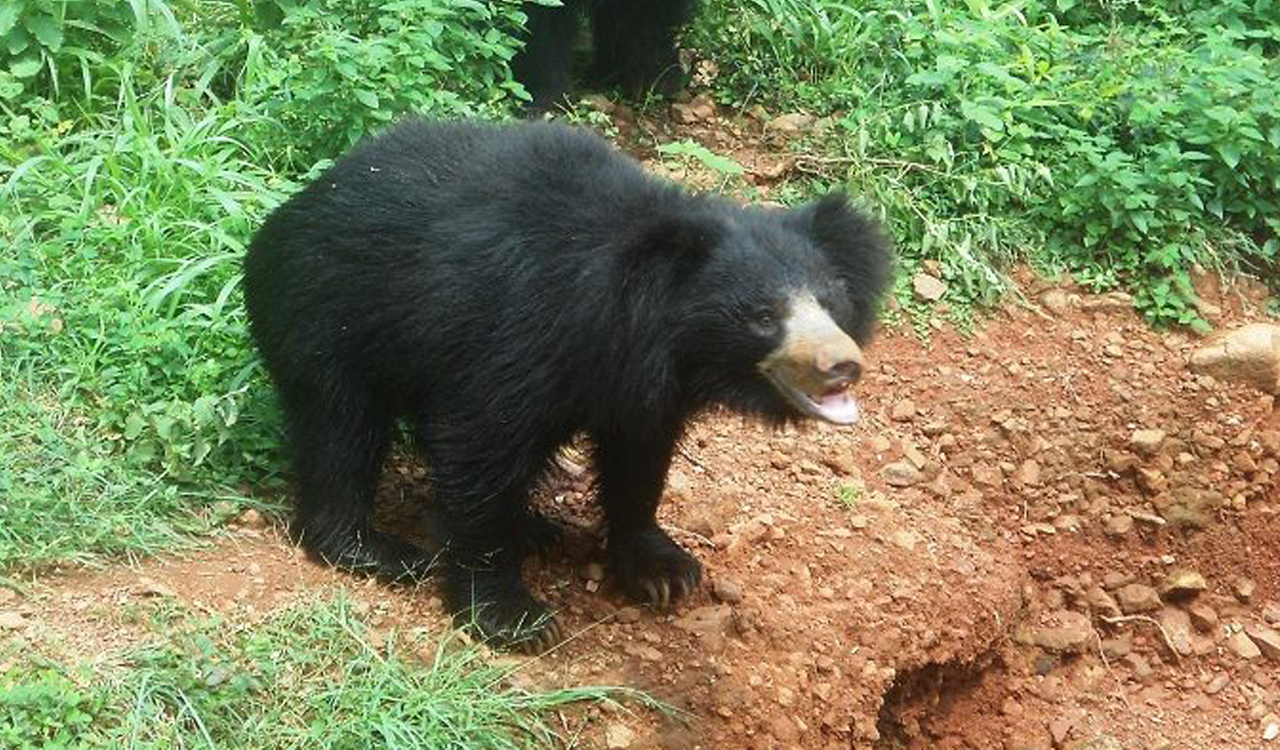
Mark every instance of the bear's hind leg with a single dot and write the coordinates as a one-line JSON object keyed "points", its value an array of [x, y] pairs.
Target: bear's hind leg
{"points": [[650, 566], [482, 495], [337, 456]]}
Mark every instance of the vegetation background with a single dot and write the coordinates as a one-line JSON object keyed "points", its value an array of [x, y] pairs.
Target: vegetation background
{"points": [[1126, 142]]}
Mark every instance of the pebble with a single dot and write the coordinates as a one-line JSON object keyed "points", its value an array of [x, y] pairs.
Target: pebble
{"points": [[251, 519], [1147, 442], [618, 736], [1243, 589], [904, 411], [1073, 635], [1216, 685], [1271, 732], [1266, 639], [1203, 617], [1119, 524], [726, 590], [1136, 598], [901, 474], [928, 288], [12, 621], [1182, 584], [1243, 646]]}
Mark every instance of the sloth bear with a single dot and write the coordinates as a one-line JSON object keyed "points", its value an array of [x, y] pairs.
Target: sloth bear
{"points": [[633, 47], [504, 287]]}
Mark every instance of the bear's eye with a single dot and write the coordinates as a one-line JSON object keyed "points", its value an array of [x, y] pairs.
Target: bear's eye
{"points": [[764, 320]]}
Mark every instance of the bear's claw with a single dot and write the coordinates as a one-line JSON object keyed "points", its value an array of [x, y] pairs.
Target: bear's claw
{"points": [[653, 569]]}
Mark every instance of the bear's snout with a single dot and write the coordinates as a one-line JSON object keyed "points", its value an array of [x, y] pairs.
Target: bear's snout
{"points": [[816, 364]]}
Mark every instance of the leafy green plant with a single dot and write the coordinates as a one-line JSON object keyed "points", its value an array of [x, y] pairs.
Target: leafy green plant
{"points": [[42, 709], [44, 42], [334, 70], [1120, 141]]}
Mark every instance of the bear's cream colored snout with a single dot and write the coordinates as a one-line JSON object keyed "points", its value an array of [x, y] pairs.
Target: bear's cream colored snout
{"points": [[816, 363]]}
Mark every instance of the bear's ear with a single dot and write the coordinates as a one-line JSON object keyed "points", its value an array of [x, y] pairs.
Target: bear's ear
{"points": [[678, 243], [851, 241]]}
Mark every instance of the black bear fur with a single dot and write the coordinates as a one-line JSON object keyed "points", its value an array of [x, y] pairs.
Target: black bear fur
{"points": [[503, 288], [633, 47]]}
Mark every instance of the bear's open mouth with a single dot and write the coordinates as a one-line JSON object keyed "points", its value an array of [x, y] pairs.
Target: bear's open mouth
{"points": [[835, 403]]}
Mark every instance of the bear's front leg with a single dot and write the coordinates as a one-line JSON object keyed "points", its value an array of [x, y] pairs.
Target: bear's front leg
{"points": [[651, 568]]}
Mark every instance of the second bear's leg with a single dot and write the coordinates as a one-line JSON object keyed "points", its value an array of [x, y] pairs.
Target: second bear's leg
{"points": [[649, 565], [635, 45]]}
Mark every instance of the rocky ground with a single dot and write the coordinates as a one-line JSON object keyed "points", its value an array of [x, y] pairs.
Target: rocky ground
{"points": [[1050, 533]]}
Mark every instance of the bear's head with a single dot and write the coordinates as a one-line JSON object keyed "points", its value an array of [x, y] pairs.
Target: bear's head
{"points": [[773, 307]]}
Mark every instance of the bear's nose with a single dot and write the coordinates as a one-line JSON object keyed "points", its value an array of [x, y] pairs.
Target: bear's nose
{"points": [[848, 370]]}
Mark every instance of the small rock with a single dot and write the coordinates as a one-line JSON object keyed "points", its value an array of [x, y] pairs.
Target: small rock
{"points": [[12, 621], [1067, 523], [1028, 473], [726, 590], [1073, 634], [1147, 442], [1114, 579], [1149, 519], [593, 571], [713, 619], [702, 108], [1203, 617], [1118, 525], [628, 615], [1271, 732], [793, 122], [1216, 685], [1139, 667], [1243, 589], [148, 587], [1109, 302], [928, 288], [1136, 598], [1058, 301], [1177, 626], [784, 730], [618, 736], [1266, 639], [1117, 648], [1182, 584], [901, 474], [251, 519], [1060, 728], [1101, 602], [1250, 354], [1243, 646], [904, 411]]}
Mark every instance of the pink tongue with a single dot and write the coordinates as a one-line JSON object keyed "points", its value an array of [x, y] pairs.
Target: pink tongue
{"points": [[838, 407]]}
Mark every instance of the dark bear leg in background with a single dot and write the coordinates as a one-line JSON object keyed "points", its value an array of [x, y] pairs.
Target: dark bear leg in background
{"points": [[337, 456], [545, 65], [482, 497], [635, 44], [649, 565]]}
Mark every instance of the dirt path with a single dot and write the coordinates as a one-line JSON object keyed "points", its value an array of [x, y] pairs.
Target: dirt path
{"points": [[977, 564]]}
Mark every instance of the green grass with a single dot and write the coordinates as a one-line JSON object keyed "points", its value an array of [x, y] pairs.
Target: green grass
{"points": [[314, 675], [131, 397]]}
